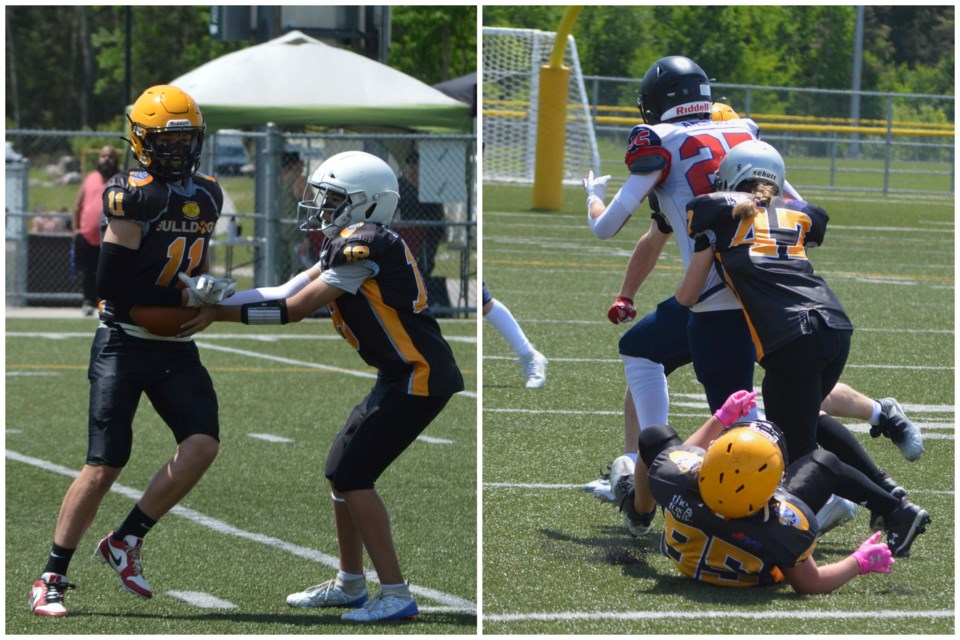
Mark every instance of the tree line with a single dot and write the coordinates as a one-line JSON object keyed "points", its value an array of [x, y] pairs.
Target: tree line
{"points": [[906, 49], [67, 65]]}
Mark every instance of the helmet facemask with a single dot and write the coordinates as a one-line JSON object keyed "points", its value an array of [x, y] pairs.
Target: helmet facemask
{"points": [[329, 208], [171, 152], [166, 132]]}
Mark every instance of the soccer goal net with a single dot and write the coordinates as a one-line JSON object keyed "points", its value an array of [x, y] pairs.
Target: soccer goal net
{"points": [[511, 70]]}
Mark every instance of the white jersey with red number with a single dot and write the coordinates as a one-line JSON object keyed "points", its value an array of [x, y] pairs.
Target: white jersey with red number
{"points": [[689, 154]]}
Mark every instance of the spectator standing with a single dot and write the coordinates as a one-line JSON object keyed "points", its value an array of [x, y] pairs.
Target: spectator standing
{"points": [[86, 224], [424, 241]]}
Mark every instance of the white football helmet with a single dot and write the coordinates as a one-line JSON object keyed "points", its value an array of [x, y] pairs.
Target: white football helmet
{"points": [[750, 160], [350, 187]]}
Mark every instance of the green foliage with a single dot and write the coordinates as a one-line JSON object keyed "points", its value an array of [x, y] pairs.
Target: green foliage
{"points": [[66, 65], [166, 42], [786, 46], [434, 43], [542, 17]]}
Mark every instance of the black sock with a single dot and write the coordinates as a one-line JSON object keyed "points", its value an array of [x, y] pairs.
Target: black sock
{"points": [[833, 436], [58, 560], [858, 488], [137, 524]]}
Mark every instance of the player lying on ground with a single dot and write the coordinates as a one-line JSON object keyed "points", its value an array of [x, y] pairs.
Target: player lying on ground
{"points": [[724, 490]]}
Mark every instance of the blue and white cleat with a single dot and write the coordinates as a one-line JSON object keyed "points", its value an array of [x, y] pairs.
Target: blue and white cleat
{"points": [[895, 425], [328, 594], [384, 608]]}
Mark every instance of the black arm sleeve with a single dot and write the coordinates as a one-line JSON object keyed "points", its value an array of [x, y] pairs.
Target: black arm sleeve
{"points": [[115, 283]]}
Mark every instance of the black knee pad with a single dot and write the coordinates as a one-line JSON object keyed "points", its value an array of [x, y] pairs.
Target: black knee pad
{"points": [[655, 439], [828, 461]]}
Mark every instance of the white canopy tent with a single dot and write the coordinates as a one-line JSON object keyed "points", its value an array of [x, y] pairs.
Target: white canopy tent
{"points": [[296, 79]]}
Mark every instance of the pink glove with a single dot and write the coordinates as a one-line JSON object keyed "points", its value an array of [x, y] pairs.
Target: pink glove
{"points": [[622, 310], [736, 406], [873, 557]]}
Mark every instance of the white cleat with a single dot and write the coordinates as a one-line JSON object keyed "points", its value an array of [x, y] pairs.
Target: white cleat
{"points": [[328, 594], [837, 512], [535, 368]]}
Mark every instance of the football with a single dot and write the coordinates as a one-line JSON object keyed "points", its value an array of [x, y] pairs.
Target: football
{"points": [[162, 321]]}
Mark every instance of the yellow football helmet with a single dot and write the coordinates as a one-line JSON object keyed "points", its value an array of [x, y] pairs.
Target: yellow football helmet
{"points": [[742, 468], [722, 111], [166, 132]]}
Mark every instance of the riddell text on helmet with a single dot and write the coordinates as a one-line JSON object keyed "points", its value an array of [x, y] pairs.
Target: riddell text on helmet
{"points": [[690, 108], [699, 107]]}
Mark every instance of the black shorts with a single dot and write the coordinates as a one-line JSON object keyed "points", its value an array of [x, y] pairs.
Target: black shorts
{"points": [[122, 368], [378, 430]]}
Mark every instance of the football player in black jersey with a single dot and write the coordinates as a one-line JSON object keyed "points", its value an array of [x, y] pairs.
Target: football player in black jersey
{"points": [[757, 242], [733, 518], [156, 227], [368, 279]]}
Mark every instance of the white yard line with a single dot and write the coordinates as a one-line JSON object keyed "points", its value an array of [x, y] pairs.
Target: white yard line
{"points": [[221, 527], [917, 367], [256, 337], [525, 486], [303, 363], [269, 437], [566, 616], [251, 354], [202, 600]]}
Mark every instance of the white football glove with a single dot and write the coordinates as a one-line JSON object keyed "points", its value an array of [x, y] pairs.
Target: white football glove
{"points": [[204, 289], [595, 187]]}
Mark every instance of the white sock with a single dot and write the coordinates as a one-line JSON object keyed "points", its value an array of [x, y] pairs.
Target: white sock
{"points": [[875, 416], [632, 456], [343, 577], [395, 589], [648, 386], [504, 322]]}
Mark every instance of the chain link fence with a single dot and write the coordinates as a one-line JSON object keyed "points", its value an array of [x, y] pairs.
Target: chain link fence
{"points": [[258, 240], [896, 143]]}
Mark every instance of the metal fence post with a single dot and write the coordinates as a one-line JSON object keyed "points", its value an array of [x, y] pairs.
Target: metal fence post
{"points": [[888, 146], [267, 166], [17, 203], [833, 160]]}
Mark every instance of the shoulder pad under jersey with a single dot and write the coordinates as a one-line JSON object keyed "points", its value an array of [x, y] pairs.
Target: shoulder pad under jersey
{"points": [[645, 152], [212, 186], [818, 219], [356, 242], [709, 211], [133, 195]]}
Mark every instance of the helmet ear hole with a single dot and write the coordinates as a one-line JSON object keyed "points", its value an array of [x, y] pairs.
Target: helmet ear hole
{"points": [[369, 211], [742, 469]]}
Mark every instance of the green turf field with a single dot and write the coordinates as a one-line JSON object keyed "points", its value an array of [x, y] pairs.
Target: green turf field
{"points": [[259, 525], [556, 561]]}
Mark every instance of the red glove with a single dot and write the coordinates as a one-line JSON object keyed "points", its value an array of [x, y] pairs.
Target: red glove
{"points": [[622, 310], [873, 557], [736, 406]]}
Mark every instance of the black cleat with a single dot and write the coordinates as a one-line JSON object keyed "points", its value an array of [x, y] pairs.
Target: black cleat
{"points": [[903, 525], [638, 524]]}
